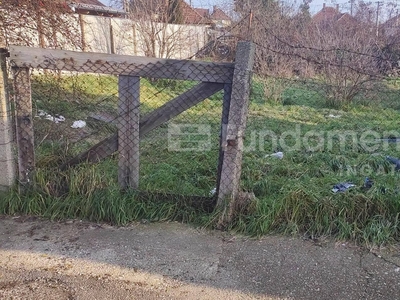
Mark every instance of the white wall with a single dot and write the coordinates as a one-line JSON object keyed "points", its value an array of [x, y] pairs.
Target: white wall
{"points": [[129, 37]]}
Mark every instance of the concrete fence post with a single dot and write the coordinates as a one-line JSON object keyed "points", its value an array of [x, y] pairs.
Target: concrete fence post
{"points": [[7, 161], [233, 128]]}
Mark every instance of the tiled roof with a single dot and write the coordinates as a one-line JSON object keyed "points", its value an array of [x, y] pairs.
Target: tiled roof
{"points": [[88, 2], [332, 15], [94, 7], [219, 14], [392, 22], [195, 15], [202, 16], [202, 12], [326, 14]]}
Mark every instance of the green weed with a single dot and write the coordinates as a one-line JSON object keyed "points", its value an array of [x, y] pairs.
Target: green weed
{"points": [[294, 193]]}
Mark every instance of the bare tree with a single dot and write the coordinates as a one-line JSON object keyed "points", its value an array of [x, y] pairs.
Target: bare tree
{"points": [[154, 21], [346, 59], [345, 55], [273, 29], [46, 23]]}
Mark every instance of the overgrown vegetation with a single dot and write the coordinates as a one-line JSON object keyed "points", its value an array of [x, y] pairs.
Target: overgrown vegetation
{"points": [[347, 53], [47, 23], [294, 194]]}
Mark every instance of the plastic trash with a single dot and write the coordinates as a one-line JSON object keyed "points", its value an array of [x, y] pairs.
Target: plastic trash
{"points": [[78, 124], [368, 183], [334, 116], [42, 113], [276, 154], [394, 161], [342, 187], [213, 191], [56, 119], [392, 139]]}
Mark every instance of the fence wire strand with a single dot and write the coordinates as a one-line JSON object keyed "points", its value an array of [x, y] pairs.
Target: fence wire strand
{"points": [[171, 126], [176, 118]]}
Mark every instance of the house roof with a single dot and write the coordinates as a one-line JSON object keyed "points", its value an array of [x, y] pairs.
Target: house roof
{"points": [[391, 27], [94, 7], [392, 22], [332, 15], [326, 14], [89, 2], [219, 14], [195, 15], [202, 12]]}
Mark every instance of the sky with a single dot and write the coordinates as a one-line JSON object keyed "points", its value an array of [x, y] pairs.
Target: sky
{"points": [[315, 5], [195, 3]]}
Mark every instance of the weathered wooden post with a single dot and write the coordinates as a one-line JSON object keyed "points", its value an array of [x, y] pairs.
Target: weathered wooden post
{"points": [[128, 131], [232, 132], [7, 162], [24, 125]]}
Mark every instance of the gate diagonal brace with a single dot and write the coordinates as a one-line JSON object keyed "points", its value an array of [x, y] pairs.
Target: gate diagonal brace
{"points": [[149, 122]]}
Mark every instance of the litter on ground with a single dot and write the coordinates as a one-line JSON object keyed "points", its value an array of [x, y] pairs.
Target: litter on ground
{"points": [[46, 116], [213, 191], [368, 183], [276, 154], [394, 161], [78, 124], [334, 116], [342, 187]]}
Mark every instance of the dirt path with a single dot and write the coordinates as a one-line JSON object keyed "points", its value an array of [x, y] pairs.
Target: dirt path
{"points": [[78, 260]]}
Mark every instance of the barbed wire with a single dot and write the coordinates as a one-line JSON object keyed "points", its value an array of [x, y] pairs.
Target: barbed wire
{"points": [[331, 49], [160, 94]]}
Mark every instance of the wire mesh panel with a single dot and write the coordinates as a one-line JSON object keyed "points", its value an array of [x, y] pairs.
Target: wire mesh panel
{"points": [[181, 155], [148, 124], [73, 111], [73, 107]]}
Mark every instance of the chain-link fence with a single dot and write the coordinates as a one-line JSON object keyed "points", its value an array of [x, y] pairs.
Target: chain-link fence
{"points": [[320, 146], [322, 131], [154, 125]]}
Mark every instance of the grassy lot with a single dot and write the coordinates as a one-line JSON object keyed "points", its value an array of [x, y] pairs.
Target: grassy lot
{"points": [[295, 193], [322, 147]]}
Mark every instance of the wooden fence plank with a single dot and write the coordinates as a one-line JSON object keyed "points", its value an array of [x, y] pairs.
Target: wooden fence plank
{"points": [[121, 64], [24, 124], [152, 120], [128, 131], [229, 180]]}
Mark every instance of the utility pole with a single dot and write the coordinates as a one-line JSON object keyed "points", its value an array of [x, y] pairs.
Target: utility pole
{"points": [[351, 7], [125, 6], [249, 33], [378, 4]]}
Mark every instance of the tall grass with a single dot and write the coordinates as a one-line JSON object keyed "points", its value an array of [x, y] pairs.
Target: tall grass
{"points": [[293, 194], [90, 192]]}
